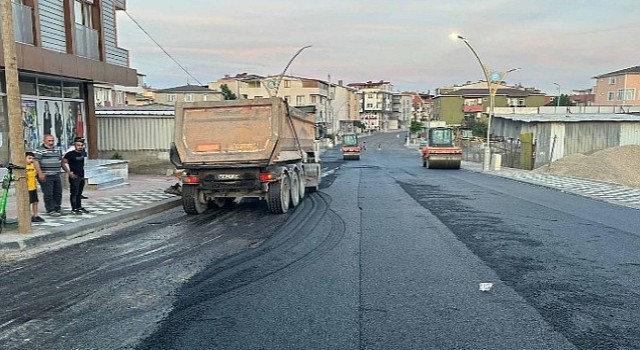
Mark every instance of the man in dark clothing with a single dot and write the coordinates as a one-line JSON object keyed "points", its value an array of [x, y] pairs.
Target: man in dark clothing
{"points": [[47, 164], [73, 164]]}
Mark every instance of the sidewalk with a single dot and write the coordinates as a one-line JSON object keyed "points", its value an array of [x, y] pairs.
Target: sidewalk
{"points": [[599, 190], [143, 196]]}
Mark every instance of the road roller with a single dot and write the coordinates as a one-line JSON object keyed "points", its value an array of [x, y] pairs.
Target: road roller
{"points": [[440, 151], [350, 148]]}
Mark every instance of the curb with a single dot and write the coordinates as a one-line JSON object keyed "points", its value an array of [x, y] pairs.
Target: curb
{"points": [[89, 226]]}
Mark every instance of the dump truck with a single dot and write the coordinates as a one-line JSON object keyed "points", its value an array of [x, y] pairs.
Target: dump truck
{"points": [[350, 148], [261, 148], [440, 151]]}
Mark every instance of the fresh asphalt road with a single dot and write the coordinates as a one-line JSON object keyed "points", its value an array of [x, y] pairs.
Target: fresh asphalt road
{"points": [[388, 255]]}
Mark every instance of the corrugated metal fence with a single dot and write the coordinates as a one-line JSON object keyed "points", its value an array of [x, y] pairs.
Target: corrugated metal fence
{"points": [[135, 132]]}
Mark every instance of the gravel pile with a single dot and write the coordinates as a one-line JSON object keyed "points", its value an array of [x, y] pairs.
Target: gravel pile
{"points": [[620, 165]]}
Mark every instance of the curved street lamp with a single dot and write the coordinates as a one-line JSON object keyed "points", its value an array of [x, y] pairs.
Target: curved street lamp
{"points": [[491, 77]]}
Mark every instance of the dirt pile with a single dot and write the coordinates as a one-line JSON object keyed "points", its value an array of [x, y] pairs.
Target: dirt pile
{"points": [[619, 165]]}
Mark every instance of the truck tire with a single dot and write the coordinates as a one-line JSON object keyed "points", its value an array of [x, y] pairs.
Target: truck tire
{"points": [[302, 186], [295, 189], [191, 200], [278, 196]]}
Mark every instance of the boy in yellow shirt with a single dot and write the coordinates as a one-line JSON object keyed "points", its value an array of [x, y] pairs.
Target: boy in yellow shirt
{"points": [[33, 189]]}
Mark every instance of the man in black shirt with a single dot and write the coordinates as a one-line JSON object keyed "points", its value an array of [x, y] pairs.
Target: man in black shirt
{"points": [[73, 164]]}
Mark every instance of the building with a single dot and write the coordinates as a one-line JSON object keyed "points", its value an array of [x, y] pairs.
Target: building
{"points": [[112, 95], [455, 105], [376, 104], [186, 93], [619, 88], [402, 111], [582, 97], [63, 48], [576, 130], [333, 105]]}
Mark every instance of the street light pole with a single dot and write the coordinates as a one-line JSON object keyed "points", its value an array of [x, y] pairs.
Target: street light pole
{"points": [[492, 89], [487, 149]]}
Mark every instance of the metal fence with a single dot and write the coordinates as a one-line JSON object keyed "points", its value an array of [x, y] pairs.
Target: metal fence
{"points": [[514, 154]]}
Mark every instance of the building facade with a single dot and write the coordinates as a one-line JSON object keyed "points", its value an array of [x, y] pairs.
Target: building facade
{"points": [[471, 102], [619, 88], [63, 48], [333, 105], [186, 93], [376, 104]]}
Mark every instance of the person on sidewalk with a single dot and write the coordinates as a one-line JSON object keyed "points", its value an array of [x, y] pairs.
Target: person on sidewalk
{"points": [[84, 153], [47, 164], [32, 187], [73, 165]]}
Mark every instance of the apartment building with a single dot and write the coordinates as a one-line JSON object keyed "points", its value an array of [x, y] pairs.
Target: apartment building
{"points": [[63, 48], [454, 105], [618, 88], [376, 104], [332, 104], [186, 93], [402, 111]]}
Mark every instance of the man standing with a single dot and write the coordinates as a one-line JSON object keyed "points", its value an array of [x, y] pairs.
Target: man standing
{"points": [[73, 164], [47, 164]]}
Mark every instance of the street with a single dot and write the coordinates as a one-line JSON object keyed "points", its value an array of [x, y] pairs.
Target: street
{"points": [[387, 255]]}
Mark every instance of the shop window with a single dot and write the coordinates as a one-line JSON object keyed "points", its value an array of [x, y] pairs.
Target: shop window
{"points": [[28, 85], [72, 90], [50, 88]]}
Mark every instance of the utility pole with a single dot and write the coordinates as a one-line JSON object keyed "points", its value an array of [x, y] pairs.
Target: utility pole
{"points": [[16, 129]]}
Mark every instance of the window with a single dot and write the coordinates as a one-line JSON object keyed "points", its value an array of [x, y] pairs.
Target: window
{"points": [[71, 90], [299, 100], [610, 96], [171, 97], [254, 84], [314, 99], [369, 105], [188, 97], [287, 83], [27, 85], [205, 97], [258, 97], [51, 88], [622, 96], [612, 80], [83, 13], [119, 98]]}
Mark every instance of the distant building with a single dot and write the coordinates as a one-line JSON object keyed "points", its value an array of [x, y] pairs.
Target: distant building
{"points": [[618, 88], [332, 104], [186, 93], [583, 97], [454, 105], [376, 104]]}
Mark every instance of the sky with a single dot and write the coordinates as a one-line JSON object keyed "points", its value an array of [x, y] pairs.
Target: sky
{"points": [[405, 42]]}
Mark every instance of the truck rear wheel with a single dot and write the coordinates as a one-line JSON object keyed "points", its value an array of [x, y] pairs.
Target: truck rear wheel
{"points": [[191, 200], [279, 196], [295, 189]]}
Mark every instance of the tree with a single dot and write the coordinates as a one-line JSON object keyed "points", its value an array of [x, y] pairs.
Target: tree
{"points": [[359, 124], [226, 92], [416, 126], [565, 100]]}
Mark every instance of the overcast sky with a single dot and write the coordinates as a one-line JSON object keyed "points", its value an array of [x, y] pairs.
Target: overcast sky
{"points": [[405, 42]]}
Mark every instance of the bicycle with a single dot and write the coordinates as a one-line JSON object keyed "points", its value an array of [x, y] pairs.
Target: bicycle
{"points": [[6, 183]]}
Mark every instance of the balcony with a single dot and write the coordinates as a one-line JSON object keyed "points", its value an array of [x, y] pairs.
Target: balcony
{"points": [[472, 109], [87, 42], [22, 23]]}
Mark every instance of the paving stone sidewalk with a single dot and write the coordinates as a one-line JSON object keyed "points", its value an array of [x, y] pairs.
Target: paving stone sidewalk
{"points": [[604, 191]]}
